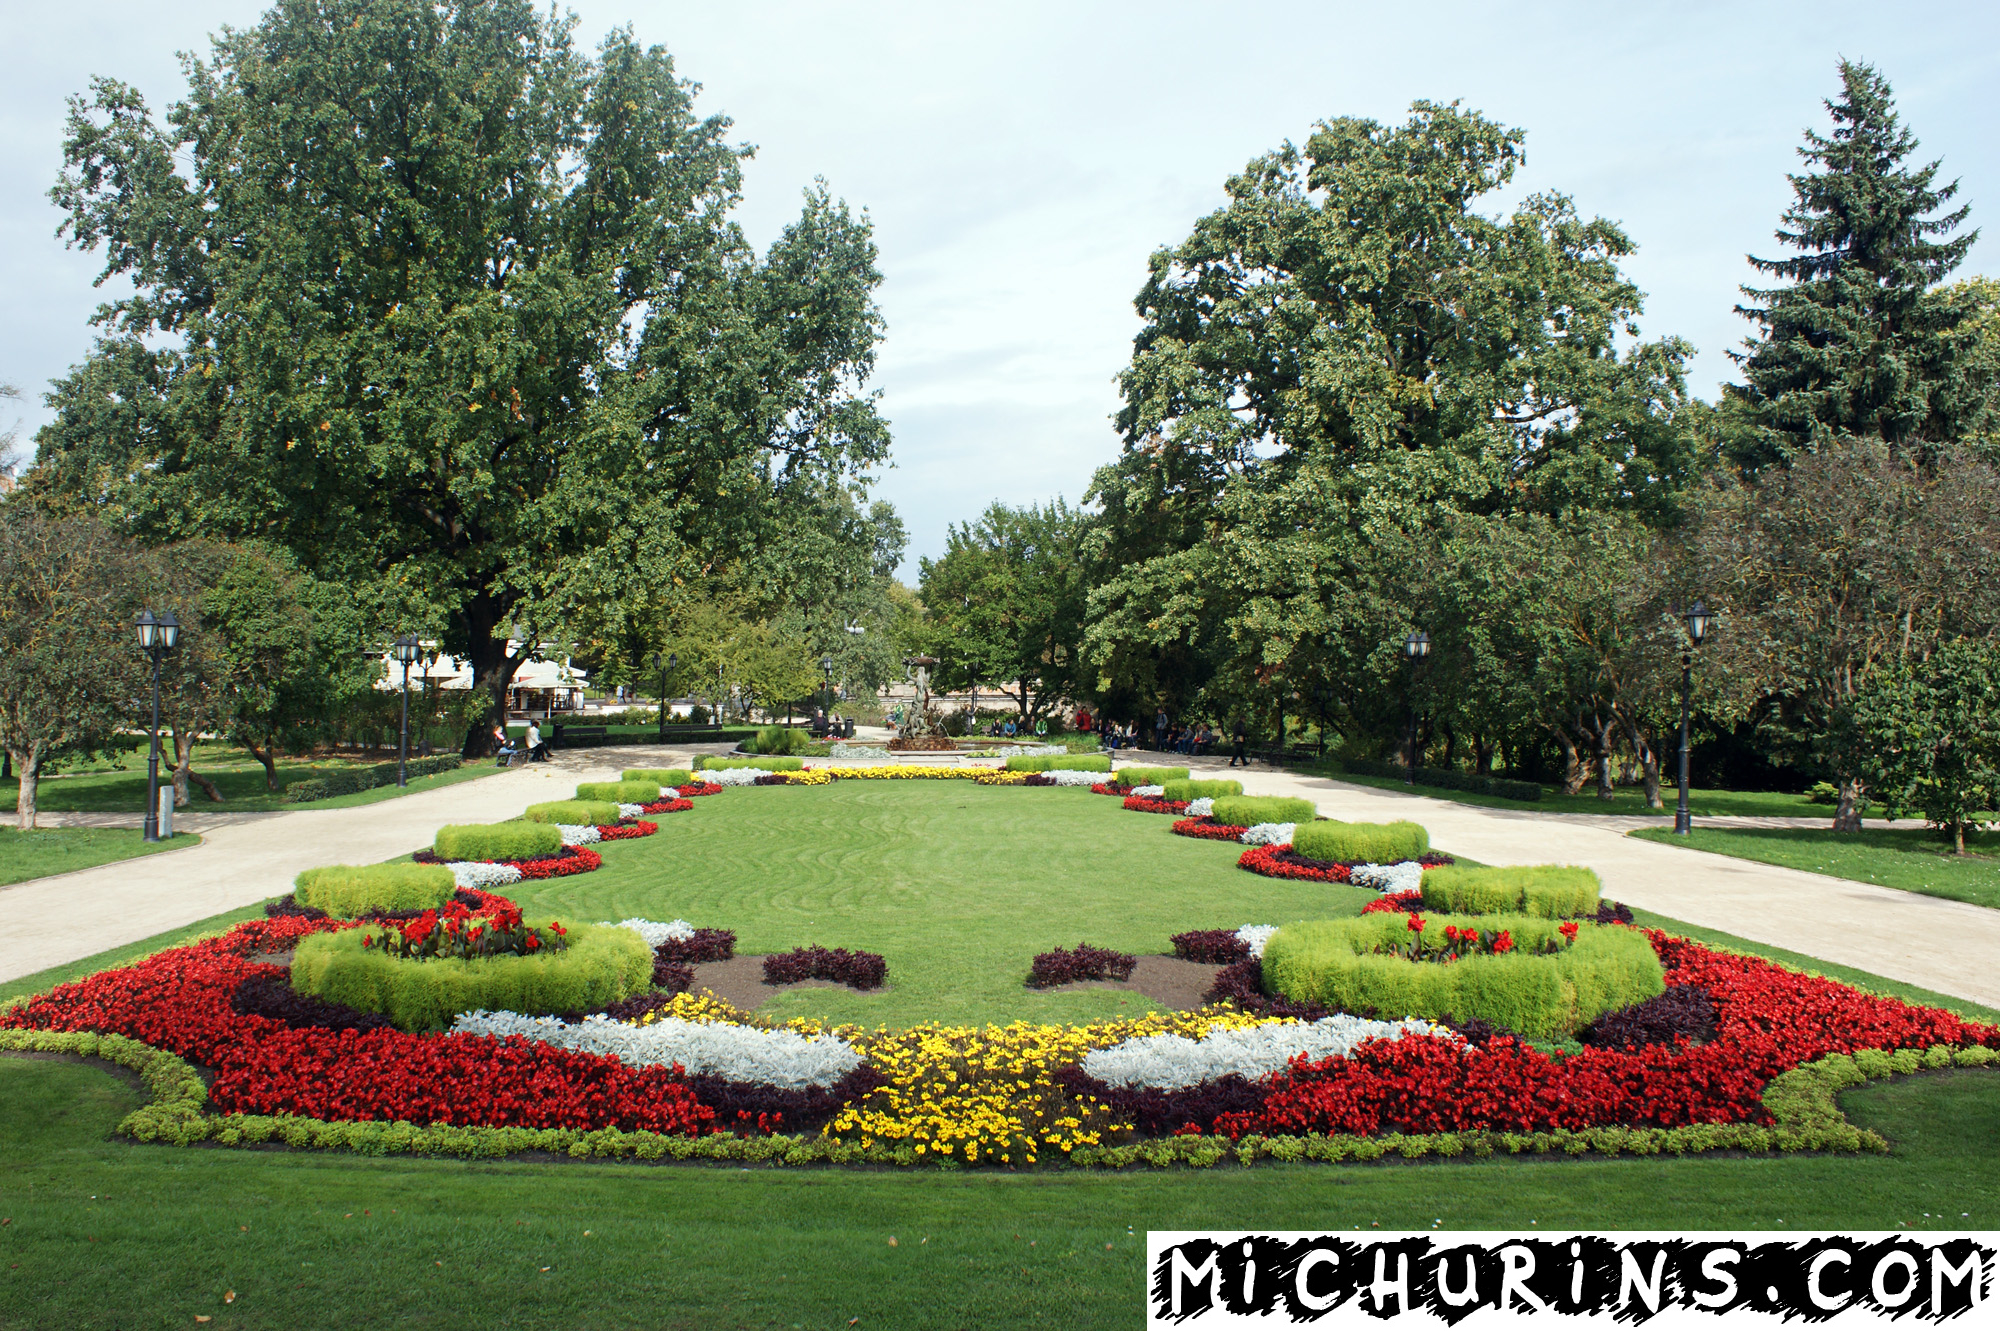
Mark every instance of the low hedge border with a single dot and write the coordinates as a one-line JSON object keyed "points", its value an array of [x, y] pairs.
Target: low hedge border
{"points": [[767, 764], [580, 812], [1549, 891], [365, 778], [1151, 776], [666, 778], [497, 841], [1075, 762], [1250, 810], [1444, 778], [619, 792], [346, 890], [1803, 1104], [1186, 791], [1360, 843]]}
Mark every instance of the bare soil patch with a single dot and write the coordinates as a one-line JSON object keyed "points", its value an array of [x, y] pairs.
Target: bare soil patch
{"points": [[1170, 981], [739, 982]]}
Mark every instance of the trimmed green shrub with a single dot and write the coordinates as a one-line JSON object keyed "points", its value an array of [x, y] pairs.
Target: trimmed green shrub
{"points": [[1551, 891], [1446, 778], [347, 781], [497, 841], [666, 778], [346, 890], [1201, 790], [602, 964], [1056, 762], [1151, 776], [619, 792], [1250, 810], [778, 740], [1361, 843], [1349, 966], [766, 764], [576, 813]]}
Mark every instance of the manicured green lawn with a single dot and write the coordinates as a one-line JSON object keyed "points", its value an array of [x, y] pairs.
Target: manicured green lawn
{"points": [[1911, 859], [105, 1233], [1624, 799], [100, 788], [47, 850]]}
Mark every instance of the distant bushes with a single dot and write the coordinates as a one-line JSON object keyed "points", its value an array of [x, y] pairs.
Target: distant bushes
{"points": [[353, 779], [1445, 778], [778, 740]]}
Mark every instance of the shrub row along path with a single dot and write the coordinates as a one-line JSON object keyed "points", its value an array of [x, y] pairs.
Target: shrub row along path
{"points": [[1946, 946], [247, 858]]}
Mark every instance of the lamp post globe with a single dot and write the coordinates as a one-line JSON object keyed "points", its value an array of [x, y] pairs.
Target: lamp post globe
{"points": [[158, 635], [406, 650], [1416, 647], [1697, 619]]}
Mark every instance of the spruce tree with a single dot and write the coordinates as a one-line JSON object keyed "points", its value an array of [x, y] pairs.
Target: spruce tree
{"points": [[1855, 345]]}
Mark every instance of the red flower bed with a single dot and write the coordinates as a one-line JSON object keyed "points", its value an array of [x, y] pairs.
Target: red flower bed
{"points": [[672, 805], [1397, 902], [573, 859], [1207, 829], [1111, 788], [1280, 862], [698, 788], [626, 831], [1146, 804]]}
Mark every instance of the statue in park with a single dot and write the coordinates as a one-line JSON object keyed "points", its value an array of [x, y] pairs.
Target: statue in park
{"points": [[920, 726]]}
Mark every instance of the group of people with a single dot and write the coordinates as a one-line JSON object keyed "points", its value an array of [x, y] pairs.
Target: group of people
{"points": [[532, 744], [1169, 736]]}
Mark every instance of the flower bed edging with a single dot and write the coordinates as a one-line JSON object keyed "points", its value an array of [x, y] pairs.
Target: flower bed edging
{"points": [[1207, 829]]}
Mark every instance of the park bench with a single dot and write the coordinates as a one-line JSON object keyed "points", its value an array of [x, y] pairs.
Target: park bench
{"points": [[565, 736]]}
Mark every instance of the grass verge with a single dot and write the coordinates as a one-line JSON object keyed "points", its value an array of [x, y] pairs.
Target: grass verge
{"points": [[47, 850], [1908, 859], [1625, 800], [99, 788]]}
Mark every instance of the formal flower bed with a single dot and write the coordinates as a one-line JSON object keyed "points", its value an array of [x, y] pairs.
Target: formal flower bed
{"points": [[1207, 829], [1280, 861], [856, 970], [694, 791], [1154, 804], [569, 860], [1065, 965]]}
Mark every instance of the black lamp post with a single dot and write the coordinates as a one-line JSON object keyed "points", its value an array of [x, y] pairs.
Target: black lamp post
{"points": [[157, 636], [1415, 648], [663, 664], [407, 649], [826, 675], [1696, 617]]}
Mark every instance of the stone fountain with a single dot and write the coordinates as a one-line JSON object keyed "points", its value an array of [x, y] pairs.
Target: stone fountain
{"points": [[921, 729]]}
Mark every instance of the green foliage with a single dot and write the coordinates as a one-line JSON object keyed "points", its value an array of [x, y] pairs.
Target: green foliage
{"points": [[1361, 843], [1250, 810], [1349, 966], [1055, 762], [1930, 732], [352, 779], [1201, 790], [573, 813], [1447, 778], [1550, 891], [765, 764], [666, 778], [1151, 776], [602, 964], [779, 740], [346, 890], [619, 792], [497, 841]]}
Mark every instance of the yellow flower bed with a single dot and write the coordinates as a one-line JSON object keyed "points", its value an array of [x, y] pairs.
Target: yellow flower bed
{"points": [[888, 773], [971, 1093]]}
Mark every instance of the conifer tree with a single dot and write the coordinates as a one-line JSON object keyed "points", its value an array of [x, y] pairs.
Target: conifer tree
{"points": [[1855, 344]]}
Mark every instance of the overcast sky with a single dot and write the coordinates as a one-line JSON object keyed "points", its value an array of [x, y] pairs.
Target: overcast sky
{"points": [[1021, 162]]}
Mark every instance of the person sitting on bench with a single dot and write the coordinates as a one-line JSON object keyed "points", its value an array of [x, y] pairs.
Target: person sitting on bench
{"points": [[503, 747], [538, 752]]}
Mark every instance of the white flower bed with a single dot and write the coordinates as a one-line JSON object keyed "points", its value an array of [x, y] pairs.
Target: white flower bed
{"points": [[1065, 777], [634, 810], [741, 1053], [655, 933], [733, 776], [1256, 935], [1149, 792], [1174, 1062], [1268, 834], [1201, 808], [1408, 876], [860, 751], [1035, 751], [577, 834], [484, 876]]}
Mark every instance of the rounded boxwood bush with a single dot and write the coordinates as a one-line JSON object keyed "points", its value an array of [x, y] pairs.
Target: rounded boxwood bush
{"points": [[619, 792], [765, 763], [1361, 843], [1349, 965], [1201, 790], [1057, 762], [1551, 891], [597, 813], [1151, 776], [602, 964], [1250, 810], [346, 890], [497, 841], [666, 778]]}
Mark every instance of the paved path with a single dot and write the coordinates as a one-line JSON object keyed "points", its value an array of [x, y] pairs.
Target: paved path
{"points": [[247, 858], [1947, 946]]}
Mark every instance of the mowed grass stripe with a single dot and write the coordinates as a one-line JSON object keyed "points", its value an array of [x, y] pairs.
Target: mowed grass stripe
{"points": [[957, 885]]}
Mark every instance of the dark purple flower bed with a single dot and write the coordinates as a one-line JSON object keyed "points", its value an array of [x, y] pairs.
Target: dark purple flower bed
{"points": [[1611, 912], [1157, 1113], [1684, 1009], [856, 970], [1084, 962], [754, 1107], [706, 945], [273, 996], [1039, 779], [1243, 985], [675, 977], [1214, 947], [288, 905]]}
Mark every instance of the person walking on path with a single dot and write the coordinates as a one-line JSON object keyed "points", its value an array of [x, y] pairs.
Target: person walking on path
{"points": [[1239, 734], [1160, 731]]}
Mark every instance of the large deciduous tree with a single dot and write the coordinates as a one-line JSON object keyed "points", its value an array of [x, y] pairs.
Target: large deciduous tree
{"points": [[1932, 732], [455, 313]]}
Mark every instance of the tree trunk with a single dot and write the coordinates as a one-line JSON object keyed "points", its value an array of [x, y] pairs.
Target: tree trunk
{"points": [[1482, 755], [268, 755], [31, 782], [1576, 770], [492, 668], [1847, 811], [1958, 838], [1450, 747], [1649, 762], [1603, 729]]}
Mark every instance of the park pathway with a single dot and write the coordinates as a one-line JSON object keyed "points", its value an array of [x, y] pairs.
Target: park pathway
{"points": [[247, 858], [1951, 947]]}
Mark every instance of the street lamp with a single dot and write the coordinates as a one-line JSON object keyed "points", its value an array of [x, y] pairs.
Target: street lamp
{"points": [[1415, 648], [407, 649], [663, 664], [157, 636], [826, 676], [1696, 617]]}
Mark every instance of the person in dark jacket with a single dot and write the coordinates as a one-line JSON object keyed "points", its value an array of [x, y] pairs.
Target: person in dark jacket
{"points": [[1239, 735]]}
